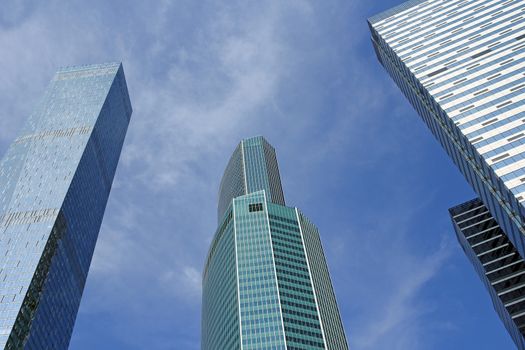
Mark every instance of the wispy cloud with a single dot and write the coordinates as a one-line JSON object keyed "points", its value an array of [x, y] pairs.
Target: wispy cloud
{"points": [[398, 321], [212, 89], [383, 272]]}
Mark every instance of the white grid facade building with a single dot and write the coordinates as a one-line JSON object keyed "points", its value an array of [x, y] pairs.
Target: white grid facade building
{"points": [[461, 64]]}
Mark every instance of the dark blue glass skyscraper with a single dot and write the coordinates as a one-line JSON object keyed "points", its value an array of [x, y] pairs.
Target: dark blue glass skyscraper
{"points": [[54, 184]]}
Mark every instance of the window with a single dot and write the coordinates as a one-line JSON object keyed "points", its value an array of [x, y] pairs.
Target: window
{"points": [[255, 207]]}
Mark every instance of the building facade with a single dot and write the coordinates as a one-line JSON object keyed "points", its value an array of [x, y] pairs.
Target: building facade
{"points": [[461, 64], [266, 283], [55, 180], [496, 261], [252, 167]]}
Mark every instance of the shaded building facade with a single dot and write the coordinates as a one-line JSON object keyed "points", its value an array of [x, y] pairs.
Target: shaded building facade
{"points": [[496, 261], [55, 180], [266, 283]]}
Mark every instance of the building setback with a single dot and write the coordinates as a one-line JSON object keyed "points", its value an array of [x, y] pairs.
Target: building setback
{"points": [[461, 64], [55, 180], [266, 284]]}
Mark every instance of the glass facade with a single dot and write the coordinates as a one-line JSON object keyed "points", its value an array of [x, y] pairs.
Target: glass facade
{"points": [[325, 296], [220, 309], [55, 180], [252, 167], [260, 310], [266, 283], [461, 65], [496, 261]]}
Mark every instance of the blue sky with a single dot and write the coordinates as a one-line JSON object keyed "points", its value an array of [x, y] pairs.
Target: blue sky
{"points": [[353, 156]]}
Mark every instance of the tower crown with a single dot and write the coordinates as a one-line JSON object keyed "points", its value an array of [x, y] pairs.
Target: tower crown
{"points": [[252, 167]]}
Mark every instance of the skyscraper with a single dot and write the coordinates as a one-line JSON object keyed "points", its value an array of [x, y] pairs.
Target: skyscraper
{"points": [[55, 180], [461, 64], [266, 284]]}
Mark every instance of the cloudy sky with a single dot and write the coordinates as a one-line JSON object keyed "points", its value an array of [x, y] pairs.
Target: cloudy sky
{"points": [[353, 156]]}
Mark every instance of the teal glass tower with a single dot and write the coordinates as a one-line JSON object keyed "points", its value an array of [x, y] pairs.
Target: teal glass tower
{"points": [[55, 180], [266, 283]]}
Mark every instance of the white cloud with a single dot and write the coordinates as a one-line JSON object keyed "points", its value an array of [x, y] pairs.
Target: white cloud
{"points": [[383, 271], [397, 321], [185, 282], [192, 112]]}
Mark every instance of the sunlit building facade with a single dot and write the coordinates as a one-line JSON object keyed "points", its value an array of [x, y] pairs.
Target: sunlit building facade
{"points": [[461, 64], [266, 283], [55, 180]]}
